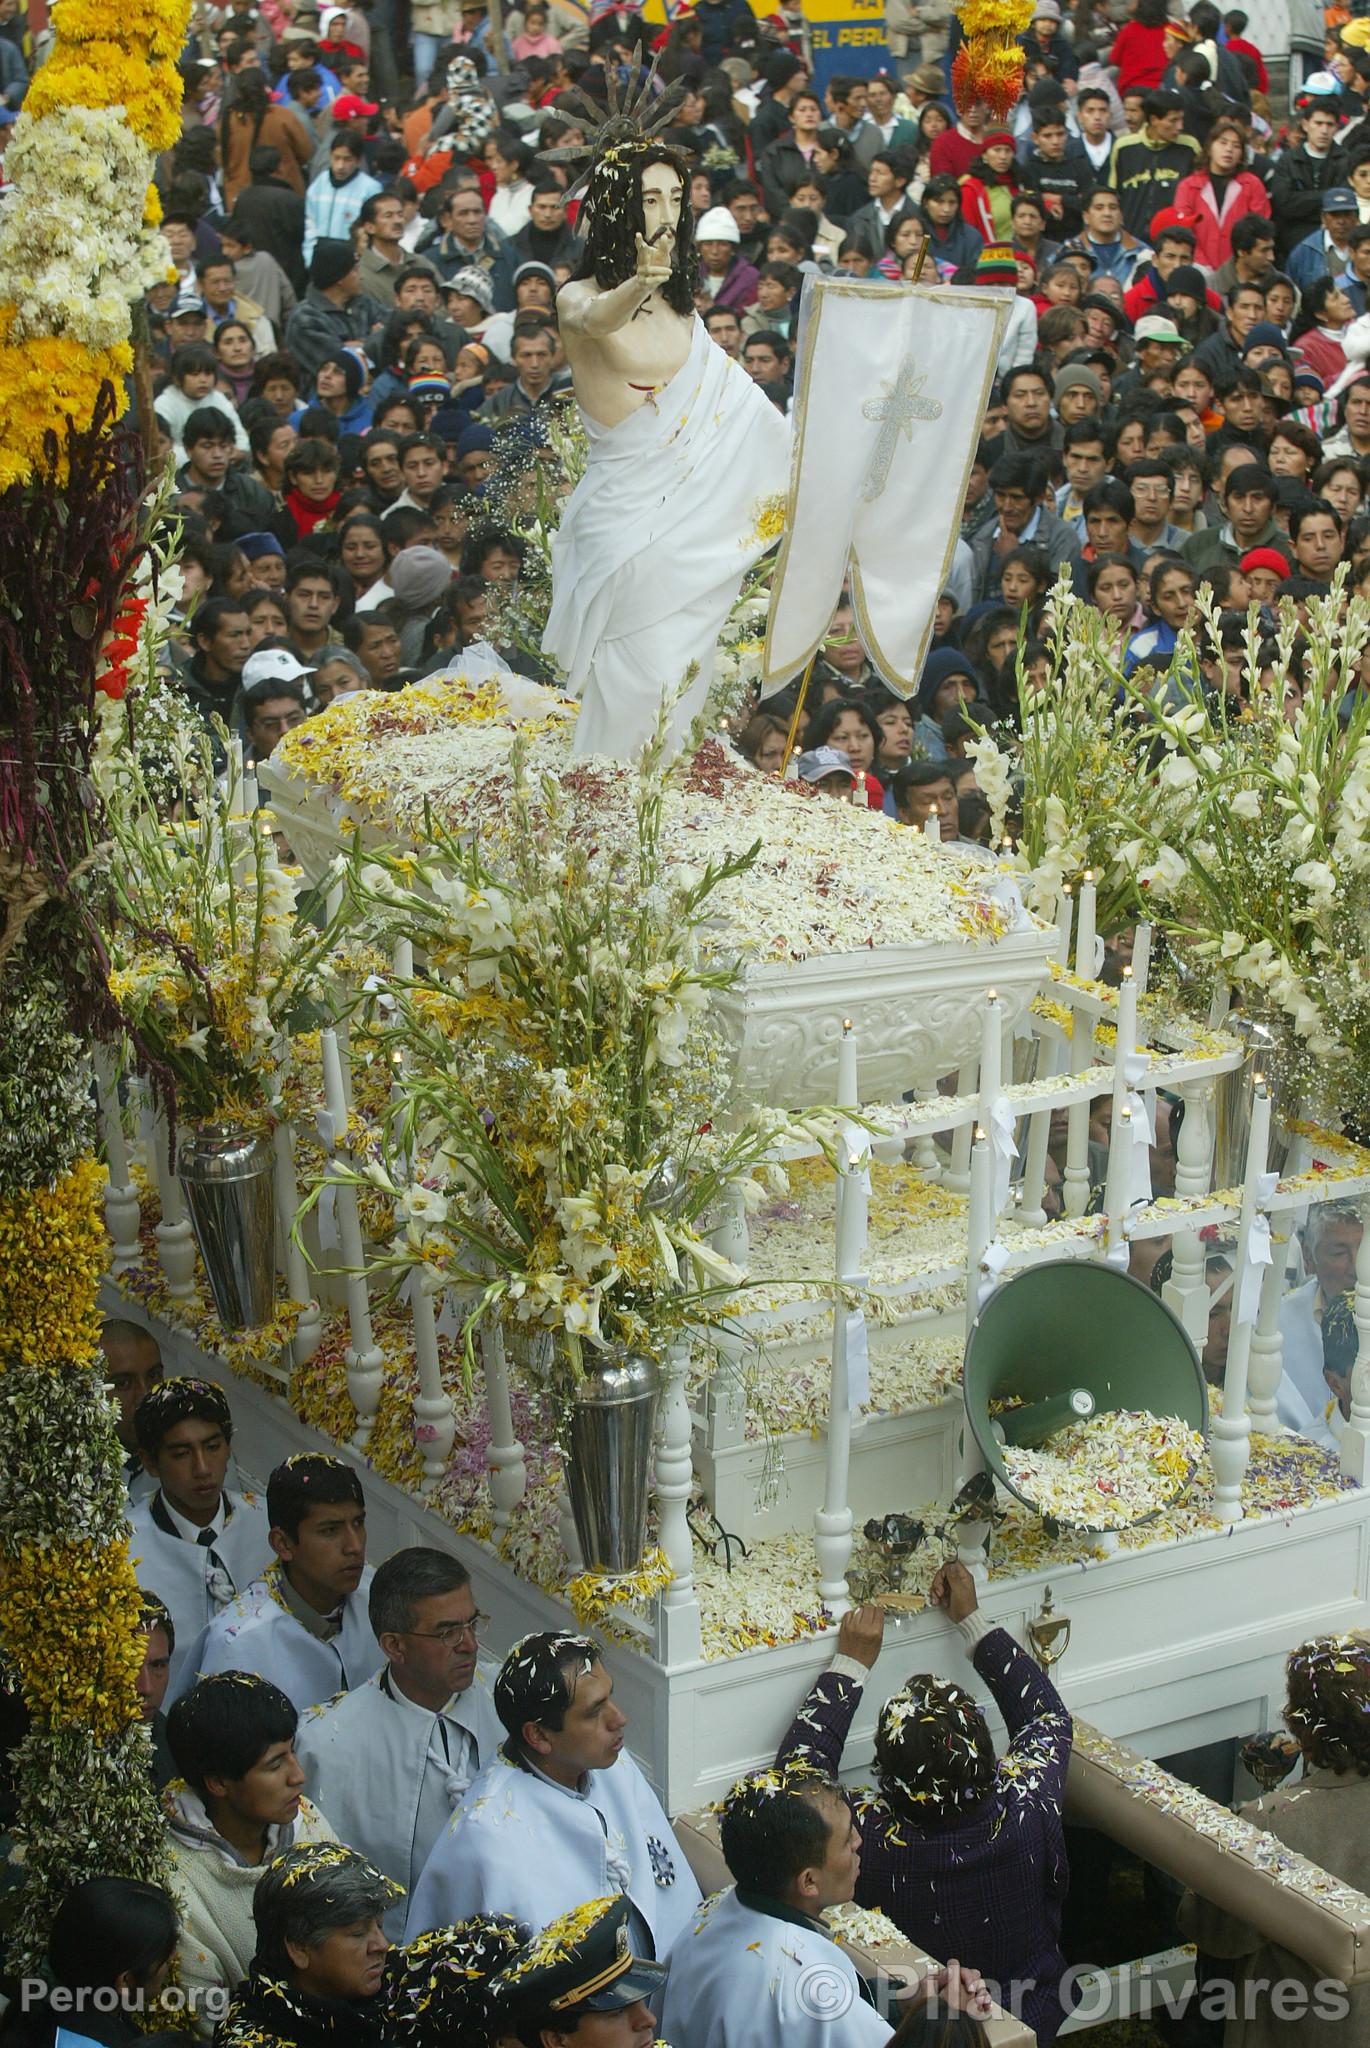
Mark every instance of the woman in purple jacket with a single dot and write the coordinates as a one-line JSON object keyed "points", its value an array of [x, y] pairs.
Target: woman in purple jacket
{"points": [[966, 1854]]}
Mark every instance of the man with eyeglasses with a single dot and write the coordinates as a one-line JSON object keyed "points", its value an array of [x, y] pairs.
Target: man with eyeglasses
{"points": [[392, 1757]]}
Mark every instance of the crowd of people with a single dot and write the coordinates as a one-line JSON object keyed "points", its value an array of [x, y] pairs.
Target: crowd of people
{"points": [[379, 1835], [358, 367]]}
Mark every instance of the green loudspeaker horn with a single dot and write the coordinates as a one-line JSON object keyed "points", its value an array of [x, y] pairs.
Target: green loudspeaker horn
{"points": [[1069, 1339]]}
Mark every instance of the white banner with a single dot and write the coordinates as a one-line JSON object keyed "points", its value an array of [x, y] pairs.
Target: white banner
{"points": [[891, 387]]}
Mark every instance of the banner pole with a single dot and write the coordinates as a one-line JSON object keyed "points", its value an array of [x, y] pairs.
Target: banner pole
{"points": [[793, 732]]}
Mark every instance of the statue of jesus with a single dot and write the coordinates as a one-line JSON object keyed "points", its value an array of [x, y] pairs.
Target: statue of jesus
{"points": [[688, 459]]}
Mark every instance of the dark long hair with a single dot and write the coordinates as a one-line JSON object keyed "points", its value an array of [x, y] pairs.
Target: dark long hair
{"points": [[108, 1925], [614, 208]]}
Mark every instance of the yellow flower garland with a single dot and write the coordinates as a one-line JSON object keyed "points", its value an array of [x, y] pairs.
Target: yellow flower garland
{"points": [[105, 57], [53, 1251], [56, 1602]]}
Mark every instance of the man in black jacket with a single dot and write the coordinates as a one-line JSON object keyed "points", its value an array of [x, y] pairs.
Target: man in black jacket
{"points": [[273, 214], [1063, 179], [786, 75], [1302, 175]]}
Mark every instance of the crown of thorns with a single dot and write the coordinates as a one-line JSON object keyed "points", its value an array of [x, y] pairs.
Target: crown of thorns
{"points": [[612, 140]]}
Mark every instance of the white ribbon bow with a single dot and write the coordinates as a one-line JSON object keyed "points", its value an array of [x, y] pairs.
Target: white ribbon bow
{"points": [[1003, 1148], [993, 1262]]}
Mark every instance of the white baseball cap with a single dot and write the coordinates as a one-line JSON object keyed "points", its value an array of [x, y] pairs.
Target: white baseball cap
{"points": [[273, 665]]}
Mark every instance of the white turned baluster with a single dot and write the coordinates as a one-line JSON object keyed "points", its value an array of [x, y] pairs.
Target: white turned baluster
{"points": [[923, 1156], [1186, 1291], [1075, 1190], [1230, 1436], [435, 1425], [679, 1629], [1266, 1365], [508, 1473], [365, 1360], [1355, 1438], [970, 1536], [121, 1197], [958, 1173], [833, 1521], [175, 1238], [566, 1529], [309, 1329]]}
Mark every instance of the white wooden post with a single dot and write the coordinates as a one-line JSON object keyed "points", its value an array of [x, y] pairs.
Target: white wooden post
{"points": [[1267, 1344], [309, 1329], [365, 1359], [1230, 1437], [175, 1238], [435, 1425], [1186, 1291], [508, 1473], [679, 1632], [1355, 1438]]}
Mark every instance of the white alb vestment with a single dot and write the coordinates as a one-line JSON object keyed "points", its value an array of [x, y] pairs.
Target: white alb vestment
{"points": [[1301, 1339], [257, 1632], [654, 542], [195, 1581], [744, 1979], [520, 1844], [389, 1773]]}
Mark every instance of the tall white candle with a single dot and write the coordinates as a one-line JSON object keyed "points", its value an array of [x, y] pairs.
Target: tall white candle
{"points": [[1065, 916], [1230, 1444], [991, 1051], [847, 1095], [1127, 1016], [1141, 956], [1084, 930], [932, 829], [111, 1119]]}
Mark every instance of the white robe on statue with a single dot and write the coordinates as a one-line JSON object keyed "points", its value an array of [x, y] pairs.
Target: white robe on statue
{"points": [[654, 543], [520, 1844], [743, 1979], [257, 1632], [194, 1583], [389, 1773]]}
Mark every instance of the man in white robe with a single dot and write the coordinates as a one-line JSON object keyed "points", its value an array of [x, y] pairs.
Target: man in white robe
{"points": [[194, 1542], [1331, 1241], [689, 464], [757, 1968], [562, 1814], [304, 1623], [389, 1760]]}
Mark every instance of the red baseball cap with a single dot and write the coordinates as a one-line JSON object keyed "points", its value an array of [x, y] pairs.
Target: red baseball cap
{"points": [[347, 107]]}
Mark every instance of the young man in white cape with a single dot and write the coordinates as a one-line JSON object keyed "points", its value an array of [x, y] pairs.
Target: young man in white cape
{"points": [[238, 1802], [389, 1760], [562, 1815], [304, 1623], [758, 1968], [194, 1542]]}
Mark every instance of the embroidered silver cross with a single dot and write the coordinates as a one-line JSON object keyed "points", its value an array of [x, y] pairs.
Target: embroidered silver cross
{"points": [[896, 413]]}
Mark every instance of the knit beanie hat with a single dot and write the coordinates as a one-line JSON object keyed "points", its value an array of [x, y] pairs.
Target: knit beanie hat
{"points": [[1188, 280], [996, 264], [350, 367], [330, 263], [473, 283], [419, 576]]}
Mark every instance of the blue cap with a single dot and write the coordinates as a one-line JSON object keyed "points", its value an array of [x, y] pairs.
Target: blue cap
{"points": [[1340, 199]]}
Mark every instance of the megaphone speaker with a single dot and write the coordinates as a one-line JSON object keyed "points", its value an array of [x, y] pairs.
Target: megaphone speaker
{"points": [[1068, 1340]]}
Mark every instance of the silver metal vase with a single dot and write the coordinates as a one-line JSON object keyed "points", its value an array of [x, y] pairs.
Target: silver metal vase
{"points": [[609, 1466], [228, 1177]]}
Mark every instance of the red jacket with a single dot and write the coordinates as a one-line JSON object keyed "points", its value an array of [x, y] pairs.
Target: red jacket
{"points": [[1239, 47], [1213, 225], [1139, 54]]}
